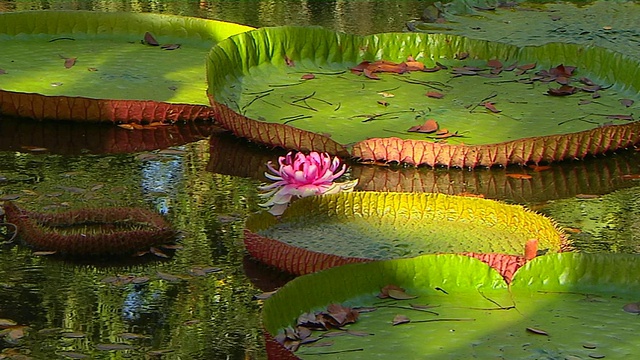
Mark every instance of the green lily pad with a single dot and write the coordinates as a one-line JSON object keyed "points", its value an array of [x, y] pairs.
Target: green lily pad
{"points": [[292, 87], [609, 24], [51, 55], [324, 231], [566, 305]]}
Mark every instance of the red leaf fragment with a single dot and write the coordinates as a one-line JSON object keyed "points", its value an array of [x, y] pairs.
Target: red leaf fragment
{"points": [[341, 315], [562, 71], [428, 127], [289, 61], [531, 249], [69, 62], [150, 40], [308, 76], [494, 63], [563, 90], [519, 176], [434, 94], [630, 177], [384, 292], [370, 75], [414, 66], [527, 66], [490, 106], [369, 68]]}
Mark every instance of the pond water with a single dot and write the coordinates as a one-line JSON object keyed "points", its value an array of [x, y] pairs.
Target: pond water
{"points": [[198, 303]]}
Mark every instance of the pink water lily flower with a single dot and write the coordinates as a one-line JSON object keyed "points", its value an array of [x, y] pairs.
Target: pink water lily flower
{"points": [[302, 175]]}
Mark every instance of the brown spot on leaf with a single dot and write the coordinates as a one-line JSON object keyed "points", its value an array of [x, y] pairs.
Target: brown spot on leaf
{"points": [[626, 102], [633, 308]]}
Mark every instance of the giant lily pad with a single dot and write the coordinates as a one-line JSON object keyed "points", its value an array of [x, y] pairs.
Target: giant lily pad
{"points": [[560, 306], [85, 65], [315, 233], [292, 87], [535, 23]]}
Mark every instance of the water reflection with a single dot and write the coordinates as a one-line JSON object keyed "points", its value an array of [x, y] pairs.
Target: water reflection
{"points": [[74, 306], [208, 188], [360, 17]]}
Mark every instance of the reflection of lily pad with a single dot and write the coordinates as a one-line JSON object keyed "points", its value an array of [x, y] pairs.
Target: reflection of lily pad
{"points": [[230, 155], [608, 223], [266, 94], [82, 138], [593, 176], [320, 232], [558, 306], [51, 55]]}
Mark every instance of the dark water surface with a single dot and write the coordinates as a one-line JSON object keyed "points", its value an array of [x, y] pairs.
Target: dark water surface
{"points": [[197, 304]]}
